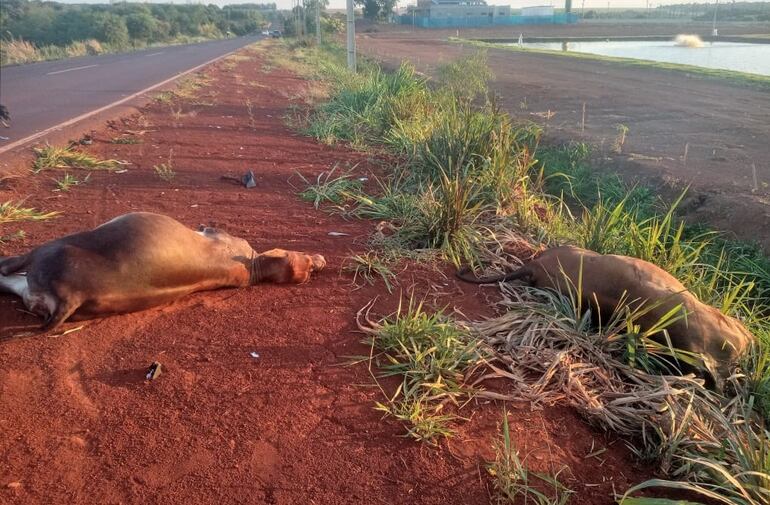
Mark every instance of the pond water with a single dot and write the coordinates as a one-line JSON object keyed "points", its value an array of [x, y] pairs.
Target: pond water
{"points": [[742, 57]]}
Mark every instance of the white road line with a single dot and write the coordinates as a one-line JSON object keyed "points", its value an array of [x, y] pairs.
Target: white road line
{"points": [[113, 104], [71, 69], [155, 54]]}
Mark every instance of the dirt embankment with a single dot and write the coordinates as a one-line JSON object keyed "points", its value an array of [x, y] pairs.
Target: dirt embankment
{"points": [[721, 126], [80, 424]]}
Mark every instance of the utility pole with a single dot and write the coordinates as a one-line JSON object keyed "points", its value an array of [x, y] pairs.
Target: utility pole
{"points": [[318, 22], [351, 37], [714, 32], [297, 25]]}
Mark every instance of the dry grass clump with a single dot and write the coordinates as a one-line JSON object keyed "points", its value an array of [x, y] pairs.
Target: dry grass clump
{"points": [[18, 51], [51, 157], [554, 355], [11, 212]]}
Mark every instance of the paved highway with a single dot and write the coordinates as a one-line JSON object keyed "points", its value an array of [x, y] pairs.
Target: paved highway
{"points": [[42, 95]]}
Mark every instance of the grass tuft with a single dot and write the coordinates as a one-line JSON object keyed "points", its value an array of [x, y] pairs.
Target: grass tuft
{"points": [[12, 212], [126, 140], [437, 360], [50, 157], [512, 481], [68, 181], [367, 267], [331, 189]]}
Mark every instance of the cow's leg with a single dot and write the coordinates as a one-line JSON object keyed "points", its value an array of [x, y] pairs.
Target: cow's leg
{"points": [[63, 310], [12, 264], [37, 301], [14, 284]]}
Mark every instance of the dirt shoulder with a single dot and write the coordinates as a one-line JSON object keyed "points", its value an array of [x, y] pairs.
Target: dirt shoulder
{"points": [[81, 425], [723, 126]]}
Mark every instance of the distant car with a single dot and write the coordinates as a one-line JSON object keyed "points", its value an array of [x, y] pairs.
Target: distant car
{"points": [[276, 34], [266, 32]]}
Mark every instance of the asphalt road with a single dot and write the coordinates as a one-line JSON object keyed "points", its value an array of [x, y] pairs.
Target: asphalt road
{"points": [[43, 95]]}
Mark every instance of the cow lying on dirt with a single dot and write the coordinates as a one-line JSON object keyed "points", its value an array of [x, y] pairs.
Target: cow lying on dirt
{"points": [[137, 261], [607, 279]]}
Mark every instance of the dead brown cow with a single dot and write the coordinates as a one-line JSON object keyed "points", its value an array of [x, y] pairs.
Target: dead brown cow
{"points": [[137, 261], [607, 278]]}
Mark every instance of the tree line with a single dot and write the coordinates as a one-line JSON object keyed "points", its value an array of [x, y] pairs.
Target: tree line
{"points": [[125, 24]]}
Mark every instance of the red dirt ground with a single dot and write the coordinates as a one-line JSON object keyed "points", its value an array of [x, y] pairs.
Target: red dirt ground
{"points": [[80, 424]]}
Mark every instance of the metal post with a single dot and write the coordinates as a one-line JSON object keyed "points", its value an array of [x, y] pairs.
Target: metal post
{"points": [[714, 32], [351, 37], [318, 22], [296, 19]]}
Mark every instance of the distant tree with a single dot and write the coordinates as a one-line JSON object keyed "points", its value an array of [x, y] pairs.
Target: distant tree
{"points": [[112, 30], [44, 22], [377, 9], [141, 26]]}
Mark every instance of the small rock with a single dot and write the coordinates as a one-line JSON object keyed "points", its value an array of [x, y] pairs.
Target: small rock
{"points": [[13, 485], [153, 372], [249, 180]]}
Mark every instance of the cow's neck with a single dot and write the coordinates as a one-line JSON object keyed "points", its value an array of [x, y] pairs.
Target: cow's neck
{"points": [[255, 270]]}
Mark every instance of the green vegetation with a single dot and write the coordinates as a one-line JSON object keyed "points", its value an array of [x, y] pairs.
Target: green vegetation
{"points": [[465, 180], [329, 188], [369, 266], [126, 139], [376, 9], [512, 480], [437, 359], [733, 11], [165, 171], [35, 31], [13, 212], [68, 181], [51, 157]]}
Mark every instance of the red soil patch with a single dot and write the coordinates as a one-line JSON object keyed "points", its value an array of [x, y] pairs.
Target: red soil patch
{"points": [[80, 425]]}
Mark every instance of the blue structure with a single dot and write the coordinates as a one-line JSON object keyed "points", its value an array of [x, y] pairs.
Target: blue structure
{"points": [[482, 21], [477, 13]]}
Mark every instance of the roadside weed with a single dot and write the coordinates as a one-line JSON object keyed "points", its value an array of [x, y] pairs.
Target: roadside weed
{"points": [[367, 267], [331, 189], [512, 481], [165, 171], [436, 358], [50, 157], [125, 139], [12, 212], [68, 181]]}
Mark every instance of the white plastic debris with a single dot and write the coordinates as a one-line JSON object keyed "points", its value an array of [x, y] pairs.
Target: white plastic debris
{"points": [[338, 234]]}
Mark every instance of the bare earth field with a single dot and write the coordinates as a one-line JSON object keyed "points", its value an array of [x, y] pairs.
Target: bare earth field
{"points": [[79, 423], [724, 125]]}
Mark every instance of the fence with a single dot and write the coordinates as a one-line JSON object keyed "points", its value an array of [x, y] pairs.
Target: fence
{"points": [[480, 21]]}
